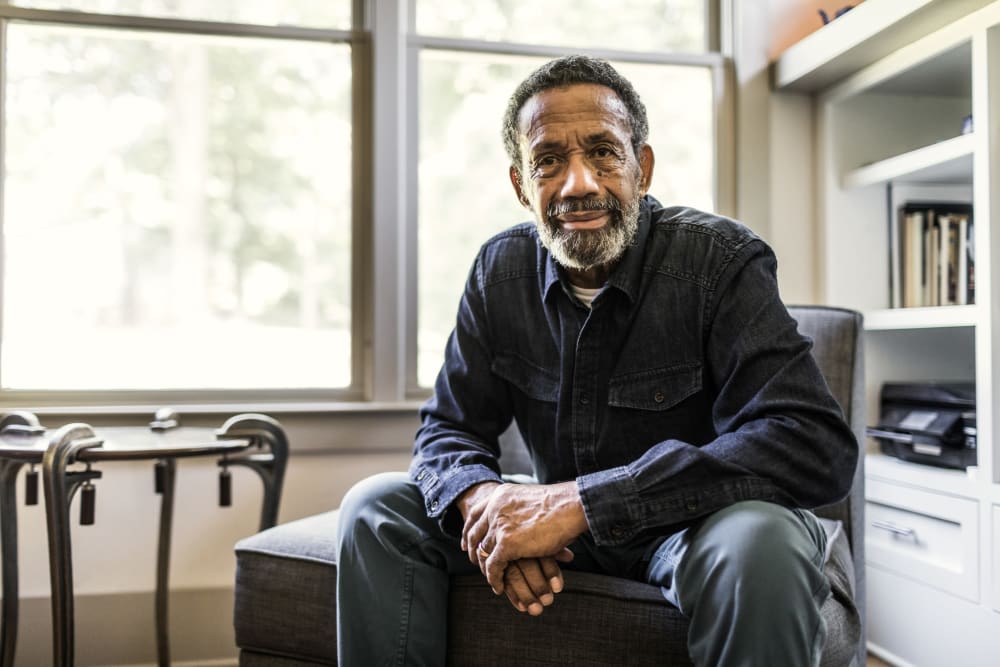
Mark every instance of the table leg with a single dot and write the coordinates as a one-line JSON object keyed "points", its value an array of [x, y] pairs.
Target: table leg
{"points": [[169, 471], [8, 553], [59, 485], [24, 423], [270, 466]]}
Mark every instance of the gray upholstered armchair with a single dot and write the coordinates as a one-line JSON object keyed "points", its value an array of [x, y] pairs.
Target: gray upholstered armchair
{"points": [[286, 577]]}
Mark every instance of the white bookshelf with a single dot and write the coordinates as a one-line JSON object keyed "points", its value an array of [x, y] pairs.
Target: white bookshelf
{"points": [[892, 81]]}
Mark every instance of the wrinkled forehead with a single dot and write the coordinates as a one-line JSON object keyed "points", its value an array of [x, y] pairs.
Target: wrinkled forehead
{"points": [[570, 106]]}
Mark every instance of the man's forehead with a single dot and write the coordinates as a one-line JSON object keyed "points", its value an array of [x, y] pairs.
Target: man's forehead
{"points": [[577, 102]]}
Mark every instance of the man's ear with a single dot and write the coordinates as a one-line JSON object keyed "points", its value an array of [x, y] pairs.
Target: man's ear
{"points": [[515, 180], [646, 162]]}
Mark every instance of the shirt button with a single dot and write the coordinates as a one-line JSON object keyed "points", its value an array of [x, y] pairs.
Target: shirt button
{"points": [[434, 505], [659, 397], [421, 475], [617, 531], [584, 400]]}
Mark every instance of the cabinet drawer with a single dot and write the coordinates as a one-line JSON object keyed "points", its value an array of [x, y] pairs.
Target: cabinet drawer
{"points": [[996, 557], [930, 537]]}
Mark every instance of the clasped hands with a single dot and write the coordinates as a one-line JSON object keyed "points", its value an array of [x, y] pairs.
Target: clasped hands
{"points": [[518, 534]]}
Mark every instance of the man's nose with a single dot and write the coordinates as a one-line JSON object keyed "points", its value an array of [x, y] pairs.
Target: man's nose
{"points": [[580, 180]]}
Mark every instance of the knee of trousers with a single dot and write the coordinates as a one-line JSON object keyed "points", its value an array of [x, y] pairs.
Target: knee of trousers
{"points": [[759, 549], [386, 508]]}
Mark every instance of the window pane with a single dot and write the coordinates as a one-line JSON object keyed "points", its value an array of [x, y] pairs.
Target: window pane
{"points": [[334, 14], [177, 211], [464, 191], [635, 25]]}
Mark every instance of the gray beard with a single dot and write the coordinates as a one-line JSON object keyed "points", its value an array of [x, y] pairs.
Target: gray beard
{"points": [[586, 249]]}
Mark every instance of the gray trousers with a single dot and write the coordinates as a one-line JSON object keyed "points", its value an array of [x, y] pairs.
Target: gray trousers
{"points": [[749, 577]]}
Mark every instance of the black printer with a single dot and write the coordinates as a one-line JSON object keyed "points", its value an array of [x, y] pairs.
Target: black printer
{"points": [[932, 423]]}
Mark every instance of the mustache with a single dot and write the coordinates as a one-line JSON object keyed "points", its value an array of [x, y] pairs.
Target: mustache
{"points": [[608, 203]]}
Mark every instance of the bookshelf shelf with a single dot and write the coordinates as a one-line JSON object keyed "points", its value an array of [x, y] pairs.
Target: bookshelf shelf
{"points": [[934, 317], [948, 161], [870, 31]]}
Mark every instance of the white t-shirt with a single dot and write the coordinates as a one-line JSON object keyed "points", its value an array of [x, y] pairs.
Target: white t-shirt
{"points": [[585, 294]]}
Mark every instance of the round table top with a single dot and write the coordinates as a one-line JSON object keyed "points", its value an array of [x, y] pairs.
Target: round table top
{"points": [[124, 443]]}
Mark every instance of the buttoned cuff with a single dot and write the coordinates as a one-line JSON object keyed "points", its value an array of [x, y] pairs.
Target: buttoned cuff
{"points": [[440, 492], [611, 503]]}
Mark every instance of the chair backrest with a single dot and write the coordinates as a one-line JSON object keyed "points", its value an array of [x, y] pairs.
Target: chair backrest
{"points": [[838, 348]]}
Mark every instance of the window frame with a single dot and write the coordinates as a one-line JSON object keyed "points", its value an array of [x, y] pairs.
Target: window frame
{"points": [[385, 50], [195, 399]]}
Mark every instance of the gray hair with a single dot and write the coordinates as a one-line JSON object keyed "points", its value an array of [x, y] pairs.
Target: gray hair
{"points": [[567, 71]]}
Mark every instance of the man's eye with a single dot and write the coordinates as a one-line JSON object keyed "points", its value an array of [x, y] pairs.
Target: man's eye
{"points": [[603, 152], [546, 161]]}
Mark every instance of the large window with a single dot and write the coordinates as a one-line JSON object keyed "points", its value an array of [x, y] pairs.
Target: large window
{"points": [[197, 199], [464, 192], [177, 206]]}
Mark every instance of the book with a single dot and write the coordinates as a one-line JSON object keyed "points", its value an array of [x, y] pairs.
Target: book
{"points": [[962, 273], [931, 257], [971, 259], [931, 260], [912, 259]]}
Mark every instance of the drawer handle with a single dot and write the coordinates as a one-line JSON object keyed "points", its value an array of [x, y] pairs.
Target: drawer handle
{"points": [[898, 531]]}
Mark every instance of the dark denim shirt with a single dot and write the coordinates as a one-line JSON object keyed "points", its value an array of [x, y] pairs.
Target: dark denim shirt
{"points": [[685, 389]]}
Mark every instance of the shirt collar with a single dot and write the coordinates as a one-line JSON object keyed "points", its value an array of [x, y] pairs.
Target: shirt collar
{"points": [[626, 276]]}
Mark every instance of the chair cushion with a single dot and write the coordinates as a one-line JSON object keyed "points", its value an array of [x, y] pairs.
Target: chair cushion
{"points": [[286, 609], [286, 592]]}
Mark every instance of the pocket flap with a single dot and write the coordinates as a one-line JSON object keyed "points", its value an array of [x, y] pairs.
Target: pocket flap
{"points": [[533, 380], [657, 389]]}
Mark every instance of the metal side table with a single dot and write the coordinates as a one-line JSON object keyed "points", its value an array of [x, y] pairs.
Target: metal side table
{"points": [[251, 440]]}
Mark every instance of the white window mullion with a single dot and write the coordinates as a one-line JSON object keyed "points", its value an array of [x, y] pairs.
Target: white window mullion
{"points": [[388, 21]]}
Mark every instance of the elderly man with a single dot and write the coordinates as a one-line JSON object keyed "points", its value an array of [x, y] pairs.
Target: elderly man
{"points": [[676, 420]]}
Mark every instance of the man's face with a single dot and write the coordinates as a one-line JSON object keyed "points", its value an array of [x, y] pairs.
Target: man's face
{"points": [[579, 174]]}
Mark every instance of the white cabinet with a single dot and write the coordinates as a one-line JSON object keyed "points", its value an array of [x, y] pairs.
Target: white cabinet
{"points": [[892, 83], [931, 538]]}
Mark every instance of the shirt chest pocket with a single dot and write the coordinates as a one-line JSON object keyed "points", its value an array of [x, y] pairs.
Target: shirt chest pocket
{"points": [[531, 379], [657, 389]]}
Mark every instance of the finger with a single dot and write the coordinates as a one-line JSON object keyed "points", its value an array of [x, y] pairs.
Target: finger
{"points": [[565, 556], [477, 536], [517, 590], [493, 568], [467, 528], [536, 580], [552, 573], [482, 556]]}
